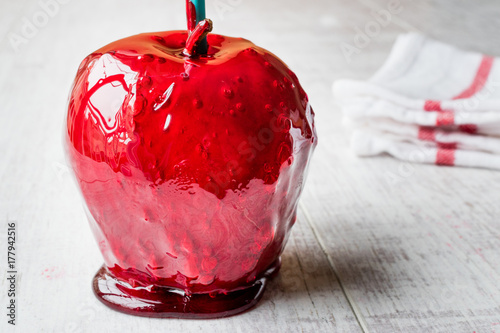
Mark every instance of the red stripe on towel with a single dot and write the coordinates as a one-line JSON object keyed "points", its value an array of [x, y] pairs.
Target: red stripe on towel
{"points": [[445, 118], [447, 145], [480, 79], [426, 133], [432, 106], [468, 128], [445, 157], [429, 134]]}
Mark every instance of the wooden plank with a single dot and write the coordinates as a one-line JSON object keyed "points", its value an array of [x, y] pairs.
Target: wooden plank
{"points": [[419, 256]]}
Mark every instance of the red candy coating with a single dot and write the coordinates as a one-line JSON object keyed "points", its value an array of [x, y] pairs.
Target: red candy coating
{"points": [[191, 169]]}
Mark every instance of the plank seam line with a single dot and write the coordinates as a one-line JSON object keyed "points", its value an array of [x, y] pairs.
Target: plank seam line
{"points": [[350, 300], [305, 282]]}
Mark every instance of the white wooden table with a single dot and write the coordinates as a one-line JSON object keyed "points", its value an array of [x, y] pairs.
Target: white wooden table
{"points": [[367, 255]]}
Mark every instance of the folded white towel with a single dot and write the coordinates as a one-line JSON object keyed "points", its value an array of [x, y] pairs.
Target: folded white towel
{"points": [[365, 143], [431, 97], [432, 136]]}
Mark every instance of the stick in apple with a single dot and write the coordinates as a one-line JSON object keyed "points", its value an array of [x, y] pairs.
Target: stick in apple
{"points": [[195, 10], [197, 37]]}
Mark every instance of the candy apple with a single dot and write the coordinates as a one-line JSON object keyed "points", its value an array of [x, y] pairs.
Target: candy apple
{"points": [[190, 150]]}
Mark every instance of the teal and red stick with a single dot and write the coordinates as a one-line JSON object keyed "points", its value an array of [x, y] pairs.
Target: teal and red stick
{"points": [[195, 14]]}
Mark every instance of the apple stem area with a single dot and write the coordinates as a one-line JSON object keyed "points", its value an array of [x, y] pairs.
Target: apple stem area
{"points": [[195, 10], [197, 37]]}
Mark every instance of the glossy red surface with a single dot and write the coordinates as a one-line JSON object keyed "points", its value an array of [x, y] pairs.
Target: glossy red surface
{"points": [[191, 15], [191, 168]]}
